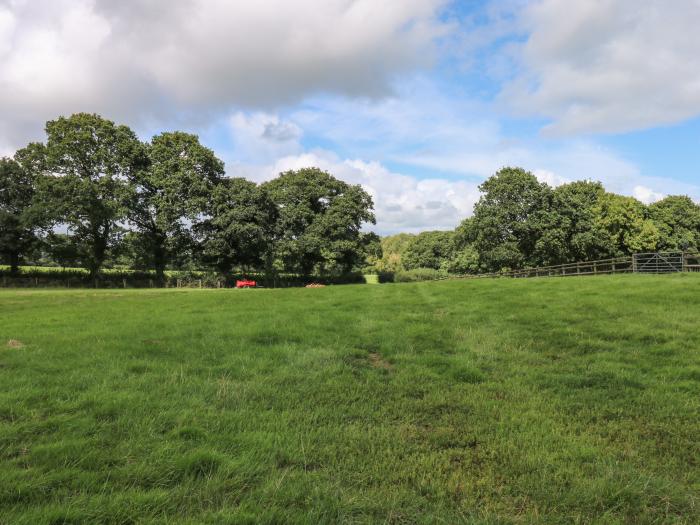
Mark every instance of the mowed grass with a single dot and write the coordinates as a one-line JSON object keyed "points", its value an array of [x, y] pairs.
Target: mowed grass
{"points": [[570, 400]]}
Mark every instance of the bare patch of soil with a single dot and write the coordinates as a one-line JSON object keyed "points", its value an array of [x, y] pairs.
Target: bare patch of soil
{"points": [[14, 343], [377, 361]]}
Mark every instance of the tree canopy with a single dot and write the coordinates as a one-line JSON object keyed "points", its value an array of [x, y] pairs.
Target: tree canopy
{"points": [[171, 190], [509, 219], [94, 194], [86, 164], [18, 220], [319, 221]]}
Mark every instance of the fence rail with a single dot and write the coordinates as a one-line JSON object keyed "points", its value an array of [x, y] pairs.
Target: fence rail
{"points": [[691, 262], [657, 263]]}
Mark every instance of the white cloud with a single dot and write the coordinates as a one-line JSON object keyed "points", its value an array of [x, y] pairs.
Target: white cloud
{"points": [[646, 195], [402, 203], [608, 65], [549, 177], [262, 137], [446, 141], [141, 61], [426, 129]]}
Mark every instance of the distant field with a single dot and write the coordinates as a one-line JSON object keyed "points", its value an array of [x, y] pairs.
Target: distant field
{"points": [[570, 400]]}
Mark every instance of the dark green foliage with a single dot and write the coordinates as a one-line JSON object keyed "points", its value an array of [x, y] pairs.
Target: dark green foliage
{"points": [[520, 222], [84, 169], [678, 220], [463, 261], [62, 249], [509, 219], [166, 205], [239, 227], [569, 233], [511, 401], [319, 221], [173, 189], [18, 219], [429, 250]]}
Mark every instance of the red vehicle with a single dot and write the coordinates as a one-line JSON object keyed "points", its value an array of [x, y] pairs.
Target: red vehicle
{"points": [[246, 283]]}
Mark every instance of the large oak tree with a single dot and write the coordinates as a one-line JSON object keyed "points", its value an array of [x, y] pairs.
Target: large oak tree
{"points": [[319, 223], [238, 226], [171, 192], [85, 166], [509, 219]]}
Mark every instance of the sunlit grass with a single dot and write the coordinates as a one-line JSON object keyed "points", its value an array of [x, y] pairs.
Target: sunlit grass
{"points": [[570, 400]]}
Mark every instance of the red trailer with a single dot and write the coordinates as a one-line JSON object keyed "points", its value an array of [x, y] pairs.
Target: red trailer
{"points": [[246, 283]]}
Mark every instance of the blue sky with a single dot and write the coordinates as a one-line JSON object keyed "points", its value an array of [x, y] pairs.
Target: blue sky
{"points": [[417, 100]]}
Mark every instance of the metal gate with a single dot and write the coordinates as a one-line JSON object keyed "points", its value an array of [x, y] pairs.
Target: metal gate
{"points": [[664, 262]]}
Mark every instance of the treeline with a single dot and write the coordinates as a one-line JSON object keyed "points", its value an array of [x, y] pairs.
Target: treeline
{"points": [[94, 195], [520, 222]]}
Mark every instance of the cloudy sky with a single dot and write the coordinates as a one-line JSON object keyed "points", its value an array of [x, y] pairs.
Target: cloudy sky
{"points": [[417, 100]]}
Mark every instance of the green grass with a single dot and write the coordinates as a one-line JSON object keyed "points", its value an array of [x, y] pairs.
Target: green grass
{"points": [[488, 401]]}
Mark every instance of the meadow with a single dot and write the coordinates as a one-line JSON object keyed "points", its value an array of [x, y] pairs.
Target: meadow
{"points": [[571, 400]]}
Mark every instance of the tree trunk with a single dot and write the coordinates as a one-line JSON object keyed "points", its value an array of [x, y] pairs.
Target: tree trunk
{"points": [[99, 249], [159, 262], [270, 280], [160, 255], [14, 262]]}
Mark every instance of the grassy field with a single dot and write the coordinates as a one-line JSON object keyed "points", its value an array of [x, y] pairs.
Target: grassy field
{"points": [[490, 401]]}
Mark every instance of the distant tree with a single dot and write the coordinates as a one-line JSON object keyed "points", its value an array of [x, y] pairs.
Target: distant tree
{"points": [[509, 219], [568, 233], [429, 249], [393, 249], [172, 190], [18, 222], [86, 163], [622, 227], [463, 261], [319, 221], [62, 249], [678, 221], [238, 227], [372, 249], [465, 258]]}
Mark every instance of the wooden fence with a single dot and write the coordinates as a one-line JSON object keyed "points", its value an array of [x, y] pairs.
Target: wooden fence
{"points": [[657, 263], [691, 262]]}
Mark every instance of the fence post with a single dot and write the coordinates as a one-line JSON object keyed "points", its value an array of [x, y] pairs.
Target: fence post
{"points": [[124, 282], [200, 284], [684, 263], [595, 268]]}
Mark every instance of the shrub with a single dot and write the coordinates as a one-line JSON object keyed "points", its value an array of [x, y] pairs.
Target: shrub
{"points": [[418, 274]]}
